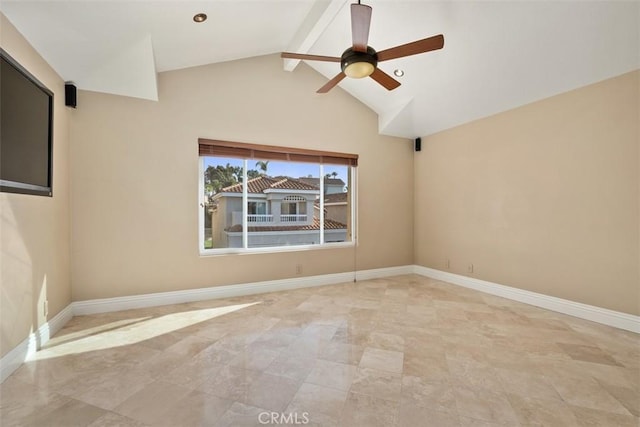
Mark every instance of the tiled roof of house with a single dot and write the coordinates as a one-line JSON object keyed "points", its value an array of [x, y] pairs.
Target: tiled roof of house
{"points": [[327, 181], [335, 198], [261, 183], [293, 184], [332, 198], [329, 224]]}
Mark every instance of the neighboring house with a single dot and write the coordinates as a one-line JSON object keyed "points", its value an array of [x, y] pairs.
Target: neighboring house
{"points": [[331, 185], [336, 207], [280, 211]]}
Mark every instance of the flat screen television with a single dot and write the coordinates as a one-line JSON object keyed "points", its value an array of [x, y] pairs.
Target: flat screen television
{"points": [[26, 131]]}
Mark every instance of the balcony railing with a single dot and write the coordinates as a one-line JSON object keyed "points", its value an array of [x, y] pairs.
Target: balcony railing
{"points": [[293, 218], [259, 218], [265, 220]]}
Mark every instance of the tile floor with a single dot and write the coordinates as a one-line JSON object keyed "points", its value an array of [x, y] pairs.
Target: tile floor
{"points": [[402, 351]]}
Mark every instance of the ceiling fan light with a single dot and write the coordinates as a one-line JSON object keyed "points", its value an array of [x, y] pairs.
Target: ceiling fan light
{"points": [[359, 70], [358, 65]]}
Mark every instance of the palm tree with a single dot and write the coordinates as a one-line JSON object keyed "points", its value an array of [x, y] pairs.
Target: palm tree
{"points": [[262, 165], [218, 177], [333, 175]]}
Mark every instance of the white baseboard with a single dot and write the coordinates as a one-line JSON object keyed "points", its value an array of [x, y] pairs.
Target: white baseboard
{"points": [[12, 360], [616, 319], [27, 348], [176, 297], [384, 272]]}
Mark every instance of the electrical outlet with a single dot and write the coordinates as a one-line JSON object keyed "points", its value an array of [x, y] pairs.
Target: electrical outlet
{"points": [[298, 268], [470, 268], [45, 308]]}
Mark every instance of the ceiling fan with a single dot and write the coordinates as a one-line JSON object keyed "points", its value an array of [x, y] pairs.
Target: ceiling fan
{"points": [[361, 60]]}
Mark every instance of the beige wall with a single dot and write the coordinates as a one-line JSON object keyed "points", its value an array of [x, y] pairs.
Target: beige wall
{"points": [[544, 197], [135, 177], [34, 233]]}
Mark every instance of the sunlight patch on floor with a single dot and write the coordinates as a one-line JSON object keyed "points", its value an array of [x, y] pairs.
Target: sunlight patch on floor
{"points": [[72, 336], [132, 331]]}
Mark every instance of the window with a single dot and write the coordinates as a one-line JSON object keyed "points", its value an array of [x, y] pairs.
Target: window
{"points": [[293, 199], [257, 212], [257, 208], [293, 209]]}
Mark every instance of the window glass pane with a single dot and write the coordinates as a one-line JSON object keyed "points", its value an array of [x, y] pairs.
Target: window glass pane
{"points": [[282, 207], [337, 204], [223, 202], [256, 208], [288, 191]]}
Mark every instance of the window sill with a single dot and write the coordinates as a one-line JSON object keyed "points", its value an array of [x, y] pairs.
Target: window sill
{"points": [[301, 248]]}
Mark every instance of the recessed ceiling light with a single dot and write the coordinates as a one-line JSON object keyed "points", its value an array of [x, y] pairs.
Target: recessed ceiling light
{"points": [[398, 72], [200, 17]]}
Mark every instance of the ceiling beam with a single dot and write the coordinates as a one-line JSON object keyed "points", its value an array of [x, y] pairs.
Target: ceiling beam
{"points": [[321, 15]]}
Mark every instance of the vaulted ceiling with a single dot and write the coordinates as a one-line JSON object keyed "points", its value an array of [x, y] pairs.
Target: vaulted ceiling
{"points": [[497, 55]]}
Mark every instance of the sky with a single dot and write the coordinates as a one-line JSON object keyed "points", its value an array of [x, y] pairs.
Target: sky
{"points": [[277, 168]]}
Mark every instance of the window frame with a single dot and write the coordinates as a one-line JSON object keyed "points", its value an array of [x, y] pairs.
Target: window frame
{"points": [[246, 249]]}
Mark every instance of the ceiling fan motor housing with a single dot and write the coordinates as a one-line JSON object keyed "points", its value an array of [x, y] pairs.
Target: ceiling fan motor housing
{"points": [[359, 64]]}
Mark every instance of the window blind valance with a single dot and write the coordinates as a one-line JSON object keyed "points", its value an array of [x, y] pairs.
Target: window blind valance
{"points": [[218, 148]]}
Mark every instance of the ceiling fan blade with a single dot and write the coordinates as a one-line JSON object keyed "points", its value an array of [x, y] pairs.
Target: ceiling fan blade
{"points": [[413, 48], [360, 23], [331, 83], [290, 55], [384, 79]]}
